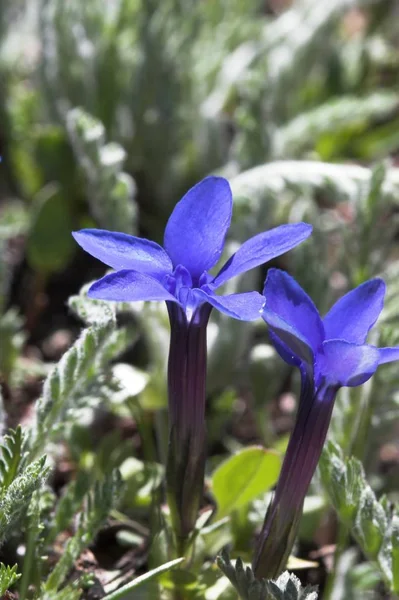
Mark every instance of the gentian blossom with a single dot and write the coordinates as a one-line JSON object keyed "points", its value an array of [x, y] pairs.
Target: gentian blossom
{"points": [[331, 352], [179, 274]]}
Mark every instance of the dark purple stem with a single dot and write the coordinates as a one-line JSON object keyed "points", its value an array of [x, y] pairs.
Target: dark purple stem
{"points": [[186, 394], [303, 453]]}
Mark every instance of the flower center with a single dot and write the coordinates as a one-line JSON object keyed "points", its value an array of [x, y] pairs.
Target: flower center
{"points": [[182, 285]]}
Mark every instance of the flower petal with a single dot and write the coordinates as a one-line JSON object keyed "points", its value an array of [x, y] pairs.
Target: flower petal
{"points": [[388, 355], [129, 286], [352, 317], [292, 346], [283, 350], [346, 364], [286, 298], [195, 232], [244, 307], [262, 248], [123, 251]]}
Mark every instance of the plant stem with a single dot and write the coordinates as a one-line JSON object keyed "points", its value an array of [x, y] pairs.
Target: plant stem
{"points": [[28, 563], [360, 440], [342, 541], [361, 413]]}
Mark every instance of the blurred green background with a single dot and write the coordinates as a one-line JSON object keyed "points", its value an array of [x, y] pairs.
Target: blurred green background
{"points": [[110, 110]]}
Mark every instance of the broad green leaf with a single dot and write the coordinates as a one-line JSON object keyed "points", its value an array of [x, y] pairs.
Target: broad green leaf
{"points": [[50, 244], [243, 477]]}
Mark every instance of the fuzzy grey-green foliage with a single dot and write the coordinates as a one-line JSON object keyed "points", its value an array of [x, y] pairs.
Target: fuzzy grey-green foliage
{"points": [[71, 379], [68, 505], [8, 576], [11, 456], [373, 523], [40, 507], [13, 222], [12, 339], [98, 504], [187, 89], [18, 494], [69, 592], [154, 110], [339, 182], [301, 133], [109, 190], [286, 587], [18, 481]]}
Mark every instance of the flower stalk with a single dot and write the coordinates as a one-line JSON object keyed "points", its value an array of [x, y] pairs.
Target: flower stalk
{"points": [[186, 396], [303, 453]]}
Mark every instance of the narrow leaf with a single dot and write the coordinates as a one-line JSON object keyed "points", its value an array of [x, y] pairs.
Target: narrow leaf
{"points": [[124, 591]]}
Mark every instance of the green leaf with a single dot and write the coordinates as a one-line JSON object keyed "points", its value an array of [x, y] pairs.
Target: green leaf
{"points": [[142, 479], [243, 477], [334, 117], [11, 341], [110, 192], [124, 592], [38, 513], [69, 592], [395, 553], [286, 587], [68, 505], [213, 537], [15, 501], [371, 522], [91, 311], [8, 576], [10, 458], [50, 244], [98, 504], [69, 379]]}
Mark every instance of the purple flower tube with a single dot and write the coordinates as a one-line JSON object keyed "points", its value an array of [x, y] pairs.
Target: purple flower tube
{"points": [[186, 391]]}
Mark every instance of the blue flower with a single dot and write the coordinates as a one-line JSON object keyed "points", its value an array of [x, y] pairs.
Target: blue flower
{"points": [[330, 352], [193, 243], [179, 274]]}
